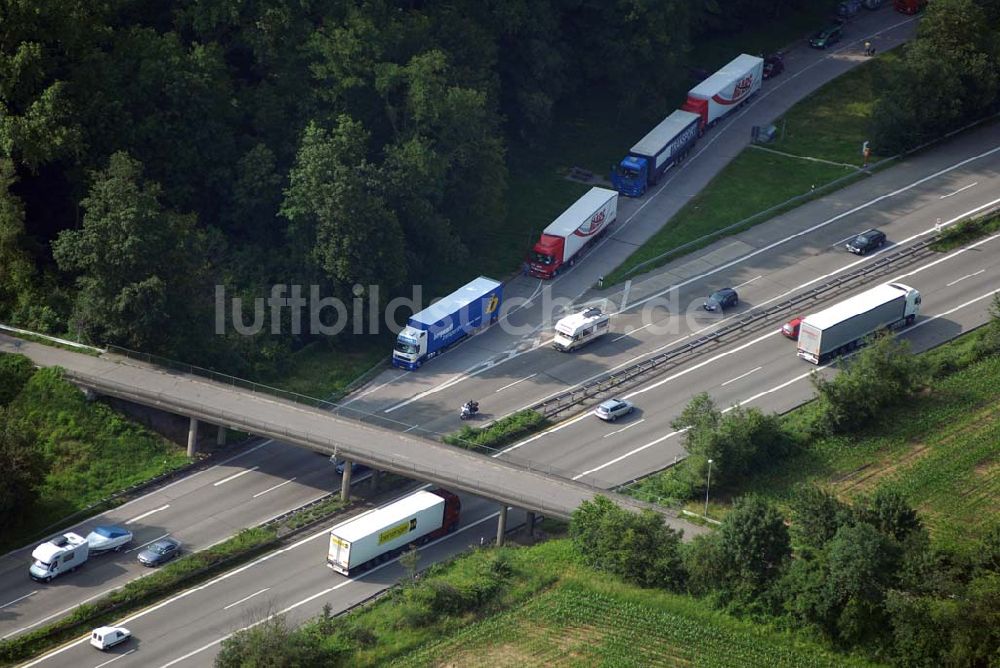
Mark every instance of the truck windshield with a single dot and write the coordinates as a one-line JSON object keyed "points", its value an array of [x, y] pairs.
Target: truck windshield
{"points": [[408, 348], [542, 258], [42, 565]]}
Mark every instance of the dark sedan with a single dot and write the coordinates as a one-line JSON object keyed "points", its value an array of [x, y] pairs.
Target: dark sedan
{"points": [[722, 299], [866, 242], [160, 552]]}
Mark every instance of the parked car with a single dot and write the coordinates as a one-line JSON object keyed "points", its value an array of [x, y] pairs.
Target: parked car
{"points": [[107, 538], [826, 37], [356, 469], [866, 242], [106, 637], [791, 328], [721, 300], [848, 8], [612, 409], [774, 65], [160, 552]]}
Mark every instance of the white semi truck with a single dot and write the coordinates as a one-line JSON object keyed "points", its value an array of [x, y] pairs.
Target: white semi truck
{"points": [[382, 534], [60, 555], [844, 326], [581, 328]]}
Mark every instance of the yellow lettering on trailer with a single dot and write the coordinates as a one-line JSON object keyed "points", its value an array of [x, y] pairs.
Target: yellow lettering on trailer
{"points": [[394, 532]]}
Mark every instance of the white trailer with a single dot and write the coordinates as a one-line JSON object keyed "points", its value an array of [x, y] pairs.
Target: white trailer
{"points": [[60, 555], [577, 227], [581, 328], [725, 90], [844, 326], [381, 534]]}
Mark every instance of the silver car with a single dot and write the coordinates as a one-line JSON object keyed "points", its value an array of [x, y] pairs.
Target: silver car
{"points": [[612, 409], [160, 552]]}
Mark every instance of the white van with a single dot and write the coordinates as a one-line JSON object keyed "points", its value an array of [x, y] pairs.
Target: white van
{"points": [[105, 637], [580, 329]]}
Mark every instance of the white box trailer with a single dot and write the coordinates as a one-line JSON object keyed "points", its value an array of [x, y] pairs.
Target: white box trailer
{"points": [[576, 228], [381, 534], [581, 328], [844, 326], [60, 555], [725, 90]]}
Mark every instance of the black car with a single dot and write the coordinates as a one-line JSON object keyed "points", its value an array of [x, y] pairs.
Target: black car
{"points": [[721, 300], [866, 242], [160, 552], [826, 37], [774, 65]]}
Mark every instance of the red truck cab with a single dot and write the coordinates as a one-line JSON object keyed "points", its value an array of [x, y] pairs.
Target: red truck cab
{"points": [[452, 512], [546, 257], [909, 6]]}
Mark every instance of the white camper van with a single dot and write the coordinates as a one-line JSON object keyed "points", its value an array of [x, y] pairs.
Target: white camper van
{"points": [[60, 555], [580, 329]]}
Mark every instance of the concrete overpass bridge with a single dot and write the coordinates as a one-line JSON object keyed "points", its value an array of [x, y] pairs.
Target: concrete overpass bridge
{"points": [[383, 449]]}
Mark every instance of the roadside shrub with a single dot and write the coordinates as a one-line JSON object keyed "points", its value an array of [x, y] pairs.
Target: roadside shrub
{"points": [[15, 372], [500, 433], [881, 375]]}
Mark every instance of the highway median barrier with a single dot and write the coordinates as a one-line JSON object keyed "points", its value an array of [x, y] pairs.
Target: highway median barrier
{"points": [[966, 231]]}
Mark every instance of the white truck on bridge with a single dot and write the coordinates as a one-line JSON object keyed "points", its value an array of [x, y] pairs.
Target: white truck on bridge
{"points": [[844, 326]]}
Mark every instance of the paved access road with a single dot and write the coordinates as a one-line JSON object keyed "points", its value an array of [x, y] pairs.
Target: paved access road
{"points": [[436, 388]]}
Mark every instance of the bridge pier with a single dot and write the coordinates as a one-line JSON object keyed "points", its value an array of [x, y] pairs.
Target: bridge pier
{"points": [[220, 436], [502, 524], [374, 480], [345, 481], [192, 438], [531, 523]]}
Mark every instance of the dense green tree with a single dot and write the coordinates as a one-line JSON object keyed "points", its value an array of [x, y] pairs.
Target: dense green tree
{"points": [[888, 511], [16, 267], [755, 547], [335, 208], [15, 372], [23, 469], [817, 515], [882, 374], [638, 547], [138, 265]]}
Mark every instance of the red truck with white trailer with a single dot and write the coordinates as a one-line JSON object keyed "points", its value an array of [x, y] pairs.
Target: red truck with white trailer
{"points": [[569, 235], [725, 90], [382, 534]]}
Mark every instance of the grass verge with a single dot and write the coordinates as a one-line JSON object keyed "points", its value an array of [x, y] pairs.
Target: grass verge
{"points": [[537, 606], [90, 452], [827, 127], [322, 371], [503, 431], [966, 232], [186, 571], [940, 451]]}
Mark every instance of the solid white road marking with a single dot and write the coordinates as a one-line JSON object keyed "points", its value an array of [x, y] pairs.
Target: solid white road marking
{"points": [[959, 190], [624, 428], [948, 285], [246, 598], [147, 543], [271, 489], [515, 383], [748, 282], [742, 376], [18, 599], [147, 514], [235, 476], [124, 654]]}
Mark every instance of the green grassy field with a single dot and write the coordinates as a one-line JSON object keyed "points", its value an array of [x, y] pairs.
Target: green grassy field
{"points": [[322, 371], [829, 125], [942, 452], [586, 619], [90, 449]]}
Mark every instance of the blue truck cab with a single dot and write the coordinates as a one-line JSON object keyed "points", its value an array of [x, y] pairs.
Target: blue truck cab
{"points": [[665, 146], [463, 312]]}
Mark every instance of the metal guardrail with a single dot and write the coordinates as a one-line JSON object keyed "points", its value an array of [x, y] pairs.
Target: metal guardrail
{"points": [[753, 319]]}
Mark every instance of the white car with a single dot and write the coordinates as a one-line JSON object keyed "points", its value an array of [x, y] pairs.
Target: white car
{"points": [[106, 637], [612, 409], [107, 538]]}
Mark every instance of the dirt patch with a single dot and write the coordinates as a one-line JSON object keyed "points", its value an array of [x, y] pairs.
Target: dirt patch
{"points": [[537, 646]]}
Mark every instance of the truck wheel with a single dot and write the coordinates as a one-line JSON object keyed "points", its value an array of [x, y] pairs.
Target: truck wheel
{"points": [[910, 319]]}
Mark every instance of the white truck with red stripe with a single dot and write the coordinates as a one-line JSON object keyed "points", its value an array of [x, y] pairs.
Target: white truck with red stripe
{"points": [[725, 90], [579, 226]]}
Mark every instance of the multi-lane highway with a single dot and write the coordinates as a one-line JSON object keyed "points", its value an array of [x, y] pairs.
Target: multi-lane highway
{"points": [[766, 262]]}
